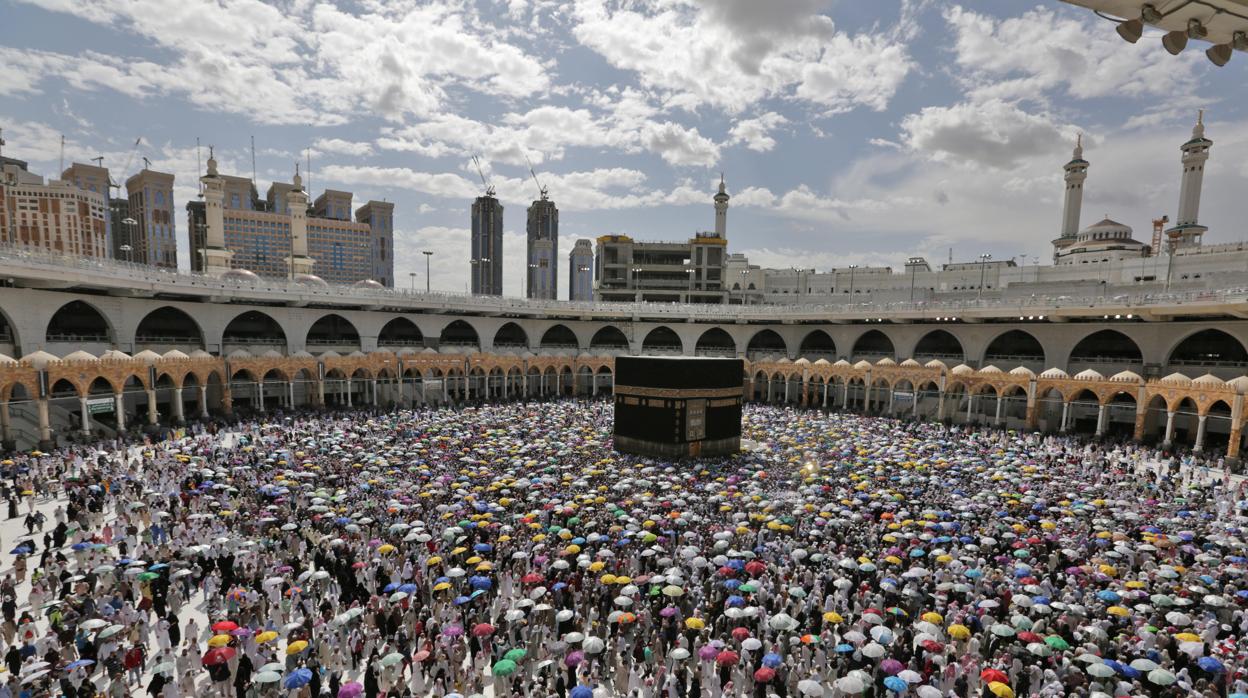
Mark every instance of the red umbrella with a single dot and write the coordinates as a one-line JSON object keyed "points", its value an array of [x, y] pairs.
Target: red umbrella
{"points": [[755, 568], [1029, 637], [740, 634], [420, 656], [359, 565], [726, 571], [532, 578], [727, 658], [993, 675], [764, 675], [932, 646], [482, 630], [218, 655], [225, 626]]}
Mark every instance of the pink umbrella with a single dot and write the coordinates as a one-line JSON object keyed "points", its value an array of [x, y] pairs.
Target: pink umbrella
{"points": [[351, 690], [891, 666], [707, 652], [574, 658], [482, 630], [453, 631]]}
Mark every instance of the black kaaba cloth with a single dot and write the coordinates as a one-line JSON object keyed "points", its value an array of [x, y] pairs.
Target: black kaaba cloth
{"points": [[674, 407]]}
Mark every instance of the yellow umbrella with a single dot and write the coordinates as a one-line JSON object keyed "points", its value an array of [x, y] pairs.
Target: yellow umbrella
{"points": [[833, 617], [386, 549], [932, 617], [1187, 637], [607, 579], [596, 566], [296, 647], [1118, 611], [1134, 584], [218, 640], [695, 623], [623, 580], [1001, 690], [959, 632], [266, 636], [435, 560], [441, 586]]}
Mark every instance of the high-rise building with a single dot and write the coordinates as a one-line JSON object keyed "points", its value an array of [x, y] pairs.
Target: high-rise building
{"points": [[96, 178], [486, 264], [151, 207], [56, 216], [581, 271], [379, 215], [542, 242], [279, 237]]}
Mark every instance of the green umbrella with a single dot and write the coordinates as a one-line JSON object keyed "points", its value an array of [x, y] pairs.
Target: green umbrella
{"points": [[504, 667], [391, 659], [148, 576], [267, 677], [747, 588], [1056, 642], [515, 655]]}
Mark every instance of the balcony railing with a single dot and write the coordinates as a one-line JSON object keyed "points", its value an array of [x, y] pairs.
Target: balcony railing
{"points": [[48, 269]]}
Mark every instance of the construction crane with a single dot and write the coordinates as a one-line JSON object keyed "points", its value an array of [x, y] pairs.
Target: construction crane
{"points": [[126, 170], [489, 188], [543, 191]]}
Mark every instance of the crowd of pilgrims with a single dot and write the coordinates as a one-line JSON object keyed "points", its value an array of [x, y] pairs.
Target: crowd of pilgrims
{"points": [[507, 550]]}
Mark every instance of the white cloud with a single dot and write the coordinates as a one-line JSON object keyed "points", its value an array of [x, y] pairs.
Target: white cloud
{"points": [[680, 146], [342, 147], [756, 133], [436, 184], [732, 53], [994, 133]]}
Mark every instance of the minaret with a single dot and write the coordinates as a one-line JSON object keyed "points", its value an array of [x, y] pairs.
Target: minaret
{"points": [[216, 256], [297, 199], [1072, 206], [721, 210], [1187, 231]]}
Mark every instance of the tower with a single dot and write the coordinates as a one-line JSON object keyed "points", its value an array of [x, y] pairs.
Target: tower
{"points": [[1072, 205], [542, 237], [486, 264], [297, 199], [581, 271], [1187, 231], [216, 256], [721, 210]]}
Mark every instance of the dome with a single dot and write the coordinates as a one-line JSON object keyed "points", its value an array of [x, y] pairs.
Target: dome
{"points": [[1106, 229], [368, 283], [1089, 375], [175, 354], [114, 355], [785, 360], [990, 369], [1209, 380], [240, 354], [357, 354], [822, 362], [1176, 379], [841, 362], [272, 354], [310, 280], [331, 354], [1054, 373], [6, 359], [1023, 371], [910, 363], [79, 355], [802, 361], [961, 370], [244, 276], [200, 354], [147, 356], [405, 351], [1126, 377], [863, 365], [39, 359], [429, 350], [583, 356], [885, 362], [301, 354], [1240, 384], [935, 363]]}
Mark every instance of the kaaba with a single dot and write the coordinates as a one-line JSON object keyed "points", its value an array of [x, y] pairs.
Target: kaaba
{"points": [[675, 407]]}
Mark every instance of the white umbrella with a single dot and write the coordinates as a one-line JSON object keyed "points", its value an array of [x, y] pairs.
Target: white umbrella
{"points": [[751, 644], [850, 684], [593, 645], [809, 688], [873, 650], [679, 653]]}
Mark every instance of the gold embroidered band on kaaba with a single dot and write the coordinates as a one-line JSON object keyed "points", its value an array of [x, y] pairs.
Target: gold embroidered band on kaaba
{"points": [[640, 391]]}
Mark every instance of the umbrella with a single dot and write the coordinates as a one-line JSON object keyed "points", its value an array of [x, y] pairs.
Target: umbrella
{"points": [[392, 659], [218, 655], [895, 684], [351, 689], [504, 667], [582, 691], [267, 677], [296, 647], [810, 688]]}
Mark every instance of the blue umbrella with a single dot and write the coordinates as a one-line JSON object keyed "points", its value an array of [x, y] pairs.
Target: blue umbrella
{"points": [[483, 547], [298, 678], [732, 583], [1211, 665], [461, 600], [407, 588], [79, 663], [22, 549], [582, 691], [735, 601], [392, 586], [844, 648], [895, 683], [80, 546], [773, 660], [479, 582], [1109, 596]]}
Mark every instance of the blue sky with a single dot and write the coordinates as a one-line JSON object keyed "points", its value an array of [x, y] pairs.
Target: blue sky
{"points": [[848, 131]]}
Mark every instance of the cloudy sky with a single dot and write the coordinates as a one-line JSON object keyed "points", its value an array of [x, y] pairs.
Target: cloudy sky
{"points": [[848, 131]]}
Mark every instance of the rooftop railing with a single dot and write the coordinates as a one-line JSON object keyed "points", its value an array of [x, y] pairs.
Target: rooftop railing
{"points": [[18, 262]]}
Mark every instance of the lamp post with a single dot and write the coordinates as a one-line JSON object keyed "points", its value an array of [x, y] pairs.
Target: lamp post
{"points": [[529, 277], [983, 268], [634, 286], [129, 223], [745, 297], [427, 255], [852, 267], [413, 275], [125, 249], [914, 262]]}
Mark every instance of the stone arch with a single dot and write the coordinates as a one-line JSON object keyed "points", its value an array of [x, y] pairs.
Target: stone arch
{"points": [[608, 338], [873, 345], [1107, 348], [1210, 348], [939, 344], [79, 322], [333, 331], [252, 327], [766, 342], [1015, 347], [166, 328], [559, 337], [715, 342], [459, 334], [10, 340], [817, 344], [400, 332], [662, 340], [511, 336]]}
